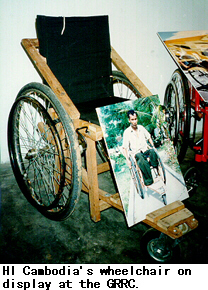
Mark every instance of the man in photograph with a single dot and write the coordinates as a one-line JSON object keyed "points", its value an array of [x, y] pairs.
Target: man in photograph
{"points": [[135, 142]]}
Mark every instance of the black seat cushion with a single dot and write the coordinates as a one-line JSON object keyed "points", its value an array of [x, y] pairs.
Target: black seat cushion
{"points": [[77, 50]]}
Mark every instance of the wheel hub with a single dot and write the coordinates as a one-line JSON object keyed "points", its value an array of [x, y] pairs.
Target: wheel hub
{"points": [[32, 153]]}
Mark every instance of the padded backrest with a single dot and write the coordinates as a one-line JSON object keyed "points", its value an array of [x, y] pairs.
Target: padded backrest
{"points": [[78, 50]]}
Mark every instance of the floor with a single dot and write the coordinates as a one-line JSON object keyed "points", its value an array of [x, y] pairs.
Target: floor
{"points": [[28, 237]]}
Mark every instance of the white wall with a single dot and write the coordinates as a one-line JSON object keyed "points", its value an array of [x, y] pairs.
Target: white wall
{"points": [[133, 28]]}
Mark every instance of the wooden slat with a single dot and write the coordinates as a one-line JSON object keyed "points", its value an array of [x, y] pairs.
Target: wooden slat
{"points": [[169, 218], [85, 182], [35, 42], [121, 65], [192, 223], [39, 62], [93, 131], [113, 199], [165, 211], [117, 200], [104, 205], [91, 161], [175, 219], [103, 167], [173, 235]]}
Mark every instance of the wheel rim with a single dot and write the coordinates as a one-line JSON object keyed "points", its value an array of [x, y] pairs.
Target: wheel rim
{"points": [[69, 197], [158, 251], [40, 157]]}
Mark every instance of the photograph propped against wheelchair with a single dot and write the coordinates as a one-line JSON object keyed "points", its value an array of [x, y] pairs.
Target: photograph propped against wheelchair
{"points": [[145, 166]]}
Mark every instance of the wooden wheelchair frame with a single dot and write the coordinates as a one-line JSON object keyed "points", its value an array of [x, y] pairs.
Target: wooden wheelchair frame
{"points": [[168, 218]]}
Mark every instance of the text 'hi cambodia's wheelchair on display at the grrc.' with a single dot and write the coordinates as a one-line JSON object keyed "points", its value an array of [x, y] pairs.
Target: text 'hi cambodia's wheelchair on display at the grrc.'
{"points": [[47, 138]]}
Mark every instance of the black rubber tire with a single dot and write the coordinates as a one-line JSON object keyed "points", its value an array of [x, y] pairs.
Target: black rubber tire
{"points": [[72, 189], [179, 87]]}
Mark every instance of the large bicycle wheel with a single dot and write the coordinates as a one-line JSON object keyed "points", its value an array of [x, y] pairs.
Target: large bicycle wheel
{"points": [[181, 83], [123, 88], [28, 151], [177, 102], [172, 106], [36, 153]]}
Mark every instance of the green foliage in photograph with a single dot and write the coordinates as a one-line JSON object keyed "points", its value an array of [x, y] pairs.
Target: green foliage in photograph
{"points": [[120, 162]]}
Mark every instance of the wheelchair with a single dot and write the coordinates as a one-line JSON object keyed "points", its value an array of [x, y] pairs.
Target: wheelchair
{"points": [[53, 145], [158, 175]]}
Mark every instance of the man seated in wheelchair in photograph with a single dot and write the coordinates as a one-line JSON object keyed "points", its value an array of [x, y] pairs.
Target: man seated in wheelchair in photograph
{"points": [[135, 142]]}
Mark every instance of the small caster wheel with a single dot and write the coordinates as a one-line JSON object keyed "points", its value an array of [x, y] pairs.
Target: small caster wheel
{"points": [[191, 178], [159, 248]]}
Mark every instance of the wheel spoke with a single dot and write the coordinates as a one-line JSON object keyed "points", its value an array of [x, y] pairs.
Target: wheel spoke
{"points": [[123, 88]]}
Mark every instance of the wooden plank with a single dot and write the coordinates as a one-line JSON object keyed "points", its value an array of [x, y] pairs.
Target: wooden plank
{"points": [[104, 205], [85, 182], [113, 199], [175, 219], [91, 162], [165, 211], [35, 42], [183, 226], [122, 66], [39, 62], [192, 223], [174, 235], [117, 200], [103, 167], [93, 131]]}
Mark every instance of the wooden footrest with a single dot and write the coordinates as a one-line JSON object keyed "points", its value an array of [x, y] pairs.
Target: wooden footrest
{"points": [[174, 219]]}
